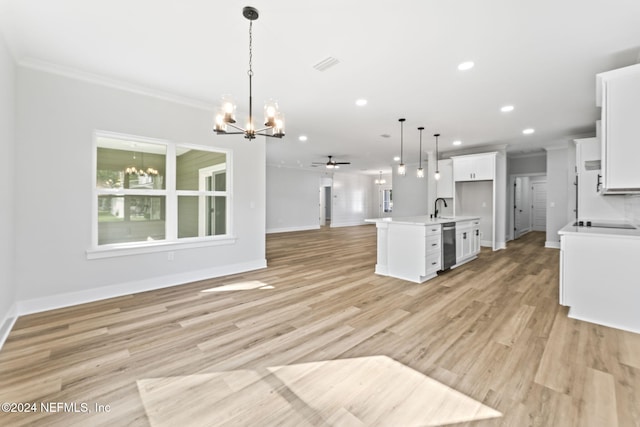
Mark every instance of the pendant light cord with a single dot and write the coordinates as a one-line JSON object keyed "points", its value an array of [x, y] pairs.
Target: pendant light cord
{"points": [[250, 73]]}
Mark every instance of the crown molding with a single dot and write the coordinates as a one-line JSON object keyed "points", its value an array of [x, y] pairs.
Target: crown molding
{"points": [[73, 73]]}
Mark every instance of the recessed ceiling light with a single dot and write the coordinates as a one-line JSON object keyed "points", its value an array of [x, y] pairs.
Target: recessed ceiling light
{"points": [[466, 66], [457, 142], [361, 102], [528, 131], [396, 158], [302, 138], [507, 108]]}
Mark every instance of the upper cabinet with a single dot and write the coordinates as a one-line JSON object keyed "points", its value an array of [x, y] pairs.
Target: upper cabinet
{"points": [[445, 183], [618, 93], [474, 167]]}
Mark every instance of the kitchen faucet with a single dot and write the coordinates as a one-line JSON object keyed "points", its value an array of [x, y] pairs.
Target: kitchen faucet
{"points": [[435, 206]]}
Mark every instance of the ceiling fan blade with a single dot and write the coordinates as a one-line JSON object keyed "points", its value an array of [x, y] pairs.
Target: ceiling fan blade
{"points": [[341, 163]]}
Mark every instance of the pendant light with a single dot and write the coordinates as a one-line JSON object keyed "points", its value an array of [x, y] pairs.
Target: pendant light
{"points": [[402, 169], [273, 119], [437, 174], [420, 172]]}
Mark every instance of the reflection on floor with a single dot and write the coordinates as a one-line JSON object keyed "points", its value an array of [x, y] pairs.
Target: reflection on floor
{"points": [[363, 391]]}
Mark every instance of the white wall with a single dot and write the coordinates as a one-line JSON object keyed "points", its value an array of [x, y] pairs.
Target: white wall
{"points": [[559, 179], [292, 199], [410, 193], [7, 148], [55, 119], [351, 194]]}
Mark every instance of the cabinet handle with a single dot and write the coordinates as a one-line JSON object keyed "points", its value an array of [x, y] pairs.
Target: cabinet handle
{"points": [[433, 263], [434, 244], [598, 183], [464, 235], [477, 232]]}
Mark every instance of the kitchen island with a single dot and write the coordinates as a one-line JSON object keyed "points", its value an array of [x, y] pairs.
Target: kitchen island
{"points": [[600, 274], [411, 248]]}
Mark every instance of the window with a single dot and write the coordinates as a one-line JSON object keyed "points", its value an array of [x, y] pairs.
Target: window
{"points": [[150, 192]]}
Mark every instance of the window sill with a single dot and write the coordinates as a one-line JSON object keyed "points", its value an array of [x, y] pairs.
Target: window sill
{"points": [[148, 248]]}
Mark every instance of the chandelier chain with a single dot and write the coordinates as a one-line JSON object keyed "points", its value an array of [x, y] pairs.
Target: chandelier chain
{"points": [[250, 72]]}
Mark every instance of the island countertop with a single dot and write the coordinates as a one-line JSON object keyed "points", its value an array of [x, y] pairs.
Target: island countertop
{"points": [[422, 220], [609, 231]]}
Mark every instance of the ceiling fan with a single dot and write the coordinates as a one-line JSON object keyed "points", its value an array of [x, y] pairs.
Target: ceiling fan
{"points": [[331, 164]]}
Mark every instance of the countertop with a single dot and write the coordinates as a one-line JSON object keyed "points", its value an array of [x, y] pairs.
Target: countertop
{"points": [[571, 229], [422, 220]]}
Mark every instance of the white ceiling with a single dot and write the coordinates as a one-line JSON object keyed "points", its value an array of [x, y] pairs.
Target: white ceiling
{"points": [[539, 55]]}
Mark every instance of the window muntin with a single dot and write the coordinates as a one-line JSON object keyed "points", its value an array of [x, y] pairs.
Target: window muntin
{"points": [[156, 191]]}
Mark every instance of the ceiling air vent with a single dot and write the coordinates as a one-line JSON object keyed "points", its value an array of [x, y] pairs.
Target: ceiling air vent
{"points": [[326, 63]]}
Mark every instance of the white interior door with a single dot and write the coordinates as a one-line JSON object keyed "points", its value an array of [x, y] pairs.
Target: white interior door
{"points": [[539, 206]]}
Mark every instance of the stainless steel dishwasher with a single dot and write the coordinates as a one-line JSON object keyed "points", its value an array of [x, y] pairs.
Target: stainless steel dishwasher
{"points": [[448, 245]]}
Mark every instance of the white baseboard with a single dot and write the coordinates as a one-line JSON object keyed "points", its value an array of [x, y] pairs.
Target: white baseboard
{"points": [[486, 243], [52, 302], [289, 229], [553, 245], [624, 327], [7, 323]]}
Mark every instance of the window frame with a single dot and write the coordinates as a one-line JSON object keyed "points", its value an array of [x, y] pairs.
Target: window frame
{"points": [[171, 241]]}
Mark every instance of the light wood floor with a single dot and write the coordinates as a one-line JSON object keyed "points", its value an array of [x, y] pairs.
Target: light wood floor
{"points": [[318, 339]]}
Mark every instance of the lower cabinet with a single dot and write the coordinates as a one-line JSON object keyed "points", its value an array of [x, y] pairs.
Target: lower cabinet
{"points": [[433, 250], [599, 278], [467, 240], [475, 237]]}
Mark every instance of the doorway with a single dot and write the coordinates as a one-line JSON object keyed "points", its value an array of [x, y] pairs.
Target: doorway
{"points": [[527, 202], [325, 206]]}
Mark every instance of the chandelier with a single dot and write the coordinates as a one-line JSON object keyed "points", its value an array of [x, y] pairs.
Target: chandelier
{"points": [[273, 121], [132, 170], [381, 180]]}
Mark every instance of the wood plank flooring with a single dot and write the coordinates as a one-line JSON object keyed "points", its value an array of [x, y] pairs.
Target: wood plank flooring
{"points": [[318, 339]]}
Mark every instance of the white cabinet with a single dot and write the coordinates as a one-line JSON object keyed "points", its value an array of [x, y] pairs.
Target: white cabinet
{"points": [[433, 250], [467, 241], [474, 167], [414, 251], [463, 241], [445, 183], [475, 237], [619, 97], [599, 277]]}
